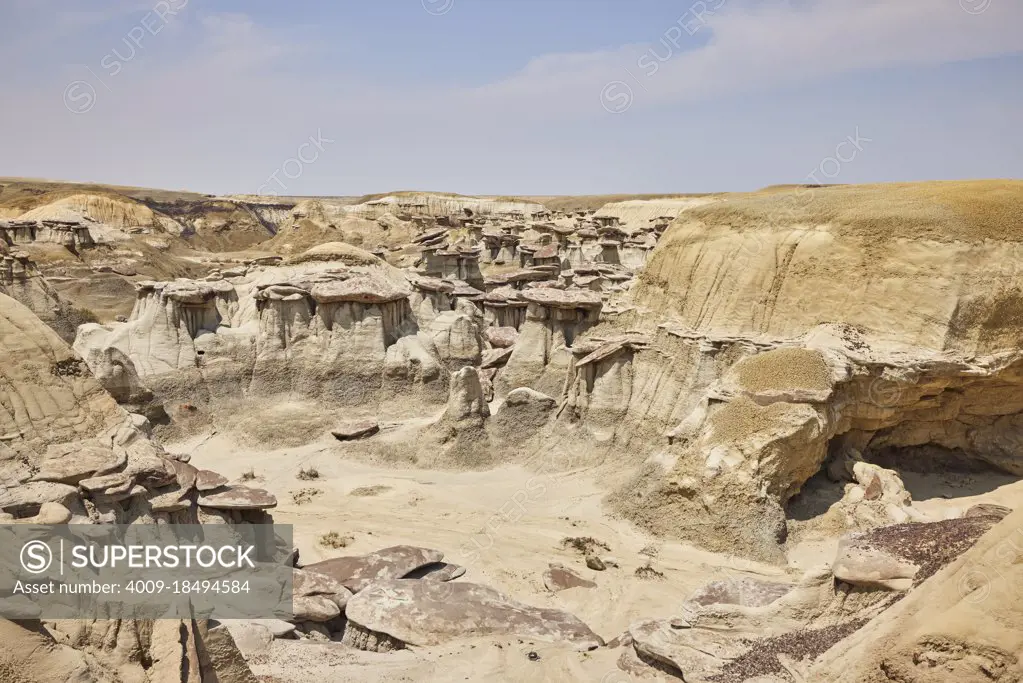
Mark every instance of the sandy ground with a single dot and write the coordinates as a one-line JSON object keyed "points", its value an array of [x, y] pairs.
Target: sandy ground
{"points": [[506, 526]]}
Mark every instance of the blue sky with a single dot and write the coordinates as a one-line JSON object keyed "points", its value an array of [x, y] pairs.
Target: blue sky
{"points": [[509, 96]]}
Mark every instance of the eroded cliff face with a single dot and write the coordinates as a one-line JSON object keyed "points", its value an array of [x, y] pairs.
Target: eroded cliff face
{"points": [[317, 331], [886, 329]]}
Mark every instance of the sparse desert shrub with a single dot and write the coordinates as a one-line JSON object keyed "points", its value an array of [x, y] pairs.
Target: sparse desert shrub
{"points": [[586, 545], [649, 573], [335, 540], [249, 475], [308, 474]]}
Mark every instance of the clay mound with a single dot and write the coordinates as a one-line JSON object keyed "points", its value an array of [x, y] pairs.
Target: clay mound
{"points": [[336, 251]]}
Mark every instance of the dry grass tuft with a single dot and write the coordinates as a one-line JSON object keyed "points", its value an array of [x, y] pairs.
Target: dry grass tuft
{"points": [[335, 540]]}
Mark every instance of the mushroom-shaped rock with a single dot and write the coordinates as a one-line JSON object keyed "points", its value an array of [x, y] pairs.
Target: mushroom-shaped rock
{"points": [[559, 578], [195, 292], [562, 298], [503, 295], [351, 431], [430, 613], [238, 498], [433, 284], [357, 572]]}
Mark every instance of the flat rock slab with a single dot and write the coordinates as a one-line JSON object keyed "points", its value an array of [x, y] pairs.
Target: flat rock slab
{"points": [[431, 613], [356, 430], [559, 578], [239, 498], [208, 480], [32, 495], [438, 571], [357, 572], [71, 465], [743, 591], [495, 358]]}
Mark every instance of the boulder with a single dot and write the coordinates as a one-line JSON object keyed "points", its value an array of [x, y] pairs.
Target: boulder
{"points": [[501, 337], [317, 608], [988, 510], [495, 358], [859, 563]]}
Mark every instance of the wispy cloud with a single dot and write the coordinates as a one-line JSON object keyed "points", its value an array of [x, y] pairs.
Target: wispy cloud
{"points": [[757, 48]]}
